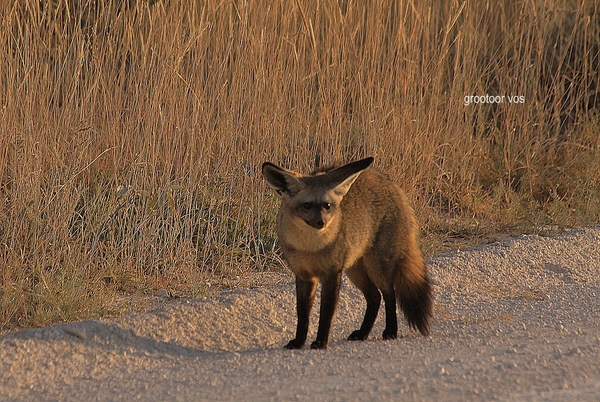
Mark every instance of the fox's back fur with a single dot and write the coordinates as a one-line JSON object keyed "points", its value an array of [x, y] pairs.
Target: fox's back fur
{"points": [[372, 234]]}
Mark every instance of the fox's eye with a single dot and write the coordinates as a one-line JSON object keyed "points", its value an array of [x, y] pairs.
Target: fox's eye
{"points": [[306, 205], [327, 206]]}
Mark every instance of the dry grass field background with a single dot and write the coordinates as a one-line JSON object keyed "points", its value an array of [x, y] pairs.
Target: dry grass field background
{"points": [[132, 132]]}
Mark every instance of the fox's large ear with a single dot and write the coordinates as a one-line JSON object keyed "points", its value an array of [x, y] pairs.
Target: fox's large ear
{"points": [[346, 175], [281, 180]]}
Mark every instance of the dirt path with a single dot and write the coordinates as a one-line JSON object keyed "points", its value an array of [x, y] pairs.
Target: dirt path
{"points": [[518, 320]]}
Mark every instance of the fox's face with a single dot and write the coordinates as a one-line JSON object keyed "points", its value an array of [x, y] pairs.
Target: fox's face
{"points": [[313, 201], [314, 207]]}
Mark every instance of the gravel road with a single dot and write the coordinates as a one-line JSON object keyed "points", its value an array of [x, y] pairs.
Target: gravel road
{"points": [[516, 320]]}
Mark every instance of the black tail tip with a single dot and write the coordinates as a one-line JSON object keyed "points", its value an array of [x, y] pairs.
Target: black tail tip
{"points": [[417, 305]]}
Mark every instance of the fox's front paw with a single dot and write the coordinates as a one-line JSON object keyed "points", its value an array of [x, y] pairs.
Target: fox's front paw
{"points": [[318, 344], [294, 344], [357, 335]]}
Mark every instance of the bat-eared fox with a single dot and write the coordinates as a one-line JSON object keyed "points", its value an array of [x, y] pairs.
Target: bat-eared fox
{"points": [[350, 218]]}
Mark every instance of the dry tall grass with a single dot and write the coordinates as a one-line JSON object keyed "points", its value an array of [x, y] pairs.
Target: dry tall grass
{"points": [[132, 132]]}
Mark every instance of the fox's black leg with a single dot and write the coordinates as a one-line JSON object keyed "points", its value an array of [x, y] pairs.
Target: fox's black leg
{"points": [[373, 301], [361, 280], [330, 293], [305, 295], [391, 321]]}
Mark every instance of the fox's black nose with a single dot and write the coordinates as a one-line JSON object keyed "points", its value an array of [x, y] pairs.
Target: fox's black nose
{"points": [[315, 223]]}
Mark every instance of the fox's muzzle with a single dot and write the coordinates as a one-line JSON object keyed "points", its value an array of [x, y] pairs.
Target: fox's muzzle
{"points": [[317, 223]]}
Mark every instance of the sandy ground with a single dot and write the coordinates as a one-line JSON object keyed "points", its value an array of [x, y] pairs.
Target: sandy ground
{"points": [[517, 320]]}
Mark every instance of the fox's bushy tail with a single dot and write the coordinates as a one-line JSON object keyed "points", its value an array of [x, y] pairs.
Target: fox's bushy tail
{"points": [[413, 291]]}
